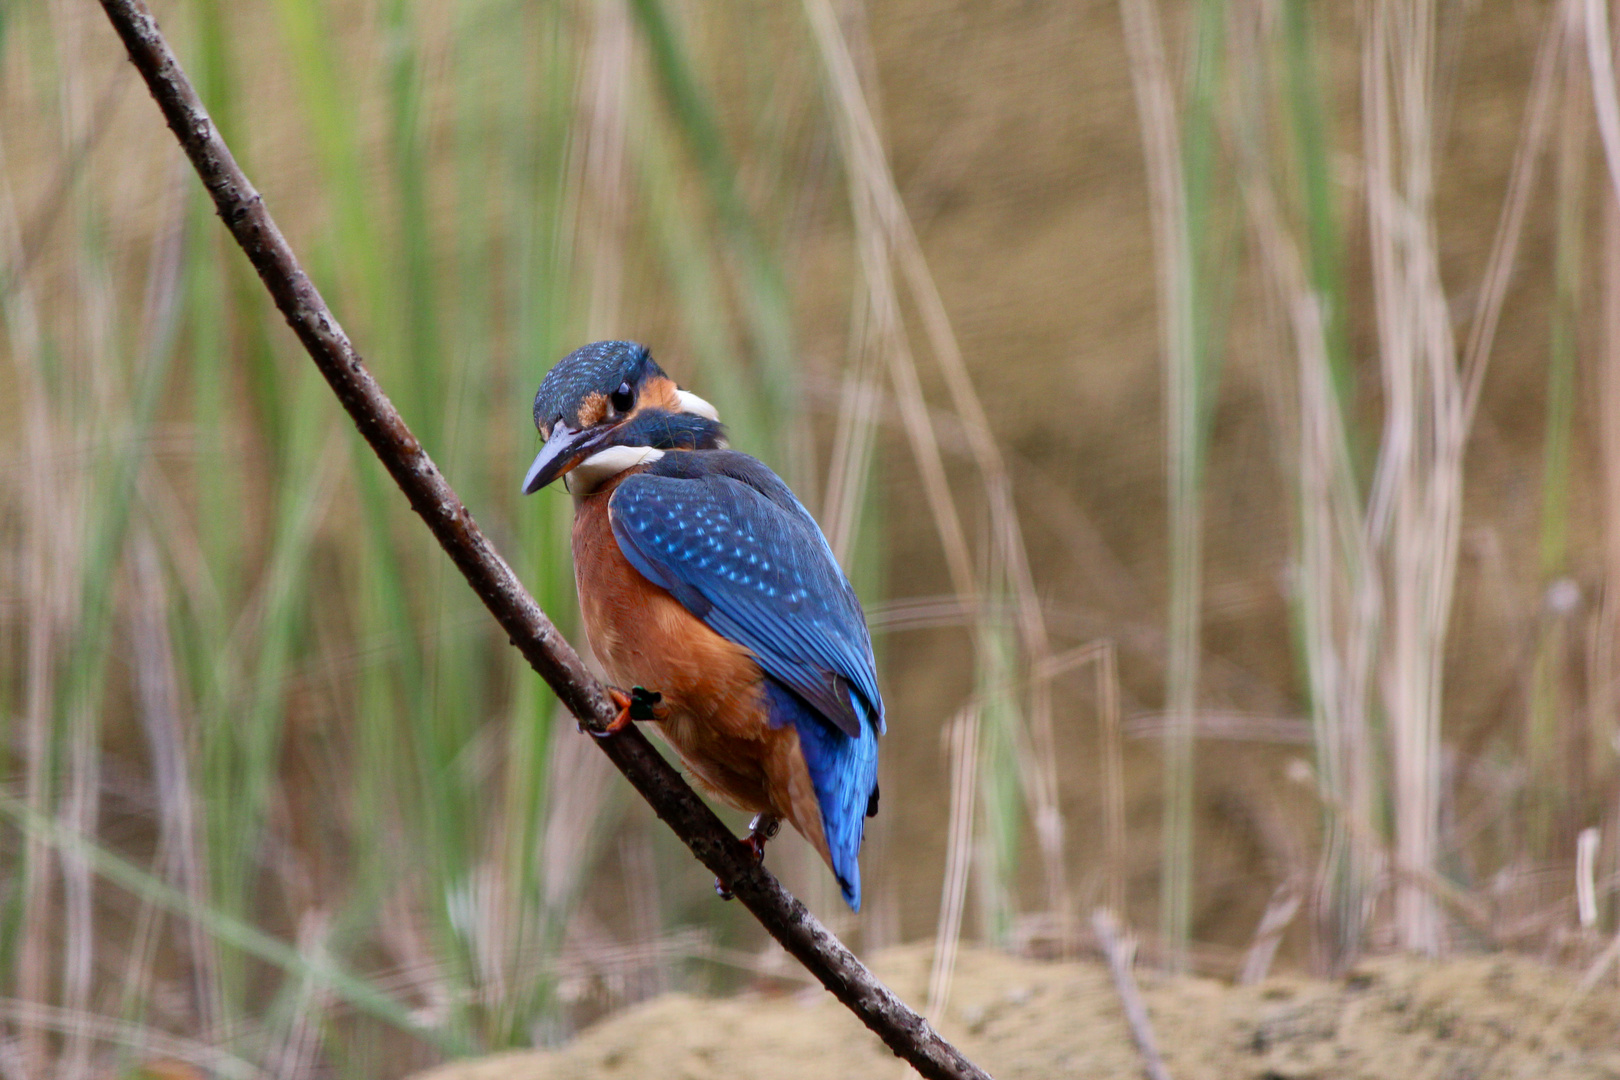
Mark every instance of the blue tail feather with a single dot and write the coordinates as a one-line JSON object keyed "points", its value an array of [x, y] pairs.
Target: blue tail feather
{"points": [[844, 773]]}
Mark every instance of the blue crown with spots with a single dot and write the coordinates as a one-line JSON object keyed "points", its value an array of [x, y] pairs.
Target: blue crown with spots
{"points": [[596, 368]]}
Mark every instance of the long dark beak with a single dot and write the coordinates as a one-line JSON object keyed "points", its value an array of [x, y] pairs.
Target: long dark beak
{"points": [[565, 449]]}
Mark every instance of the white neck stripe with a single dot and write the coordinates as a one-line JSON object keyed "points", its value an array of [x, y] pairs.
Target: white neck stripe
{"points": [[691, 403]]}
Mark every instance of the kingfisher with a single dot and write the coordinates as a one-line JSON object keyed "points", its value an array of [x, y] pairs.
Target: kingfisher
{"points": [[714, 603]]}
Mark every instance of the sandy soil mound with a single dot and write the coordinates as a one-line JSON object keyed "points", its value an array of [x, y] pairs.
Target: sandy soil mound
{"points": [[1476, 1018]]}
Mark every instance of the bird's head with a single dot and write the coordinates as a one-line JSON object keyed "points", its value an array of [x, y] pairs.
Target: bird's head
{"points": [[608, 407]]}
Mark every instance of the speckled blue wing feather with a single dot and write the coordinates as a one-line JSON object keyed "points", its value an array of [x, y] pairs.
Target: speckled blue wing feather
{"points": [[730, 541]]}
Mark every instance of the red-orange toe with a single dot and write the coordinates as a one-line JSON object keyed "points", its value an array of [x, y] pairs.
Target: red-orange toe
{"points": [[617, 724]]}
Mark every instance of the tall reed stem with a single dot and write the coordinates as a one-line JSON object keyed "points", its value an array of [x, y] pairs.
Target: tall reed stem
{"points": [[1180, 160]]}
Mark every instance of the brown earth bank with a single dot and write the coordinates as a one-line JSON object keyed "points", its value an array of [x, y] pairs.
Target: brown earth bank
{"points": [[1475, 1017]]}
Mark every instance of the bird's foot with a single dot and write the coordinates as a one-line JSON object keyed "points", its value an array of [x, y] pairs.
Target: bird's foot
{"points": [[764, 827], [642, 701], [617, 724], [637, 705]]}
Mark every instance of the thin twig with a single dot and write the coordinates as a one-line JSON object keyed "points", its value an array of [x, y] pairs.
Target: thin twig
{"points": [[1119, 953], [530, 631]]}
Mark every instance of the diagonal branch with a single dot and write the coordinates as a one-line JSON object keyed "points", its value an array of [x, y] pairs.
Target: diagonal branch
{"points": [[430, 495]]}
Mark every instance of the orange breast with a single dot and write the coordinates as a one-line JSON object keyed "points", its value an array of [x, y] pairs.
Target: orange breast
{"points": [[713, 707]]}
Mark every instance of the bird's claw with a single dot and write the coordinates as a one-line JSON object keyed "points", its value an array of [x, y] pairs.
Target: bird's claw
{"points": [[763, 828], [616, 725], [637, 705]]}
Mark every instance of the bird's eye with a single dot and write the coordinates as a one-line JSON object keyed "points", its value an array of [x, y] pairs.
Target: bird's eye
{"points": [[622, 398]]}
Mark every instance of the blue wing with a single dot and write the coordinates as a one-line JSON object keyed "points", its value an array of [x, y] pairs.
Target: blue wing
{"points": [[844, 774], [730, 541]]}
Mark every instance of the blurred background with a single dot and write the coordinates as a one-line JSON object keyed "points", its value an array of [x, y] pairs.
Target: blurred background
{"points": [[1216, 404]]}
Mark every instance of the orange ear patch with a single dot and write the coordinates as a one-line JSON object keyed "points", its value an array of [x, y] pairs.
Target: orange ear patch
{"points": [[592, 409], [659, 393]]}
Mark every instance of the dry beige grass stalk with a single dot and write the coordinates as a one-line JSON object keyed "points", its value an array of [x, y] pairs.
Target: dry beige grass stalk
{"points": [[884, 238], [1160, 126], [1430, 396]]}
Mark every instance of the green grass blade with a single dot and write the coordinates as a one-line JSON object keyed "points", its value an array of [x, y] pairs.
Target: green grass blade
{"points": [[230, 930]]}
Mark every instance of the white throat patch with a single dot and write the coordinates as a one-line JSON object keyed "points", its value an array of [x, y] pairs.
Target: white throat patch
{"points": [[604, 465]]}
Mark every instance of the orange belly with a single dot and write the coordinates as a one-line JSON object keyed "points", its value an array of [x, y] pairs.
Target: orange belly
{"points": [[713, 707]]}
